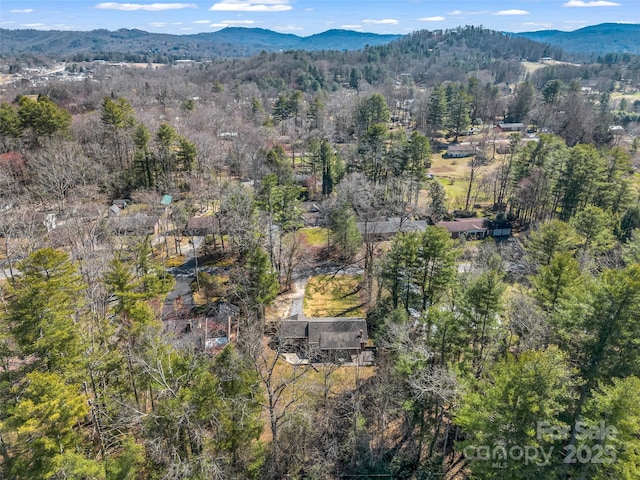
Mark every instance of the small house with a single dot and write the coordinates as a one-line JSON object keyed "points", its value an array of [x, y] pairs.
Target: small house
{"points": [[475, 228], [471, 228], [461, 150], [137, 224]]}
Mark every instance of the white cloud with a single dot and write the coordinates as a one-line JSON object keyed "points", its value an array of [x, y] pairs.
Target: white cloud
{"points": [[22, 10], [236, 22], [350, 27], [512, 12], [287, 28], [158, 24], [460, 12], [385, 21], [33, 25], [149, 7], [233, 23], [201, 21], [595, 3], [431, 19], [252, 6], [308, 9]]}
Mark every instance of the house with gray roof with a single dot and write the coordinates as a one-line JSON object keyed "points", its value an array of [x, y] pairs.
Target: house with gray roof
{"points": [[345, 336], [384, 229]]}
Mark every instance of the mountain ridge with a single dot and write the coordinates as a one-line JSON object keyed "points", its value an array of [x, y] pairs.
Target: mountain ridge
{"points": [[230, 41], [598, 39], [139, 45]]}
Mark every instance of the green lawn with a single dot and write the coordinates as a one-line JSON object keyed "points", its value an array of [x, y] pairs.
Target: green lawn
{"points": [[333, 296], [314, 236]]}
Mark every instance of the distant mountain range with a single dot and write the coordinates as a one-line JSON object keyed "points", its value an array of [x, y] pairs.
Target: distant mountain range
{"points": [[598, 39], [229, 42], [138, 45]]}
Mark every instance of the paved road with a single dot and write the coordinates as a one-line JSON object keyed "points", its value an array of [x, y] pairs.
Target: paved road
{"points": [[297, 298], [185, 275]]}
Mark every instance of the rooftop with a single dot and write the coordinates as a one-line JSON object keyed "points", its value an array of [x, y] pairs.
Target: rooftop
{"points": [[328, 333]]}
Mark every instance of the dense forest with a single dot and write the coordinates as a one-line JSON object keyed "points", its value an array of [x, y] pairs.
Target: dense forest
{"points": [[460, 211]]}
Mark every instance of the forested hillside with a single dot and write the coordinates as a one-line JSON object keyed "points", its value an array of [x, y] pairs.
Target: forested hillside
{"points": [[418, 260], [594, 40], [140, 46]]}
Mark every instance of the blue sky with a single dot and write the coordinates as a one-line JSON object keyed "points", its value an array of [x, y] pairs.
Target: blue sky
{"points": [[306, 17]]}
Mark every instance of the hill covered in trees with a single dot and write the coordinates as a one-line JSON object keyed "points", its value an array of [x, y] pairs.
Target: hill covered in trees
{"points": [[596, 39], [228, 42], [138, 45]]}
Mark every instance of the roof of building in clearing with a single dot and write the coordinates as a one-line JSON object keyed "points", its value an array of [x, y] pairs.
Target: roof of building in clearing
{"points": [[328, 333], [391, 226], [139, 223], [166, 200], [466, 225], [511, 126]]}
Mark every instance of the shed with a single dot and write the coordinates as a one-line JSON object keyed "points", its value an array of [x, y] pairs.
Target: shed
{"points": [[114, 211], [121, 203]]}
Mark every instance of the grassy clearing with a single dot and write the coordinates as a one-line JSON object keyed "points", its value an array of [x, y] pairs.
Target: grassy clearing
{"points": [[334, 296], [449, 167], [451, 173], [314, 236], [175, 261], [531, 67], [456, 190], [228, 261], [629, 96]]}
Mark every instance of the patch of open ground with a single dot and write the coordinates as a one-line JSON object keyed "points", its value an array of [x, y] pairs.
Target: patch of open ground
{"points": [[531, 67], [314, 236], [334, 296]]}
